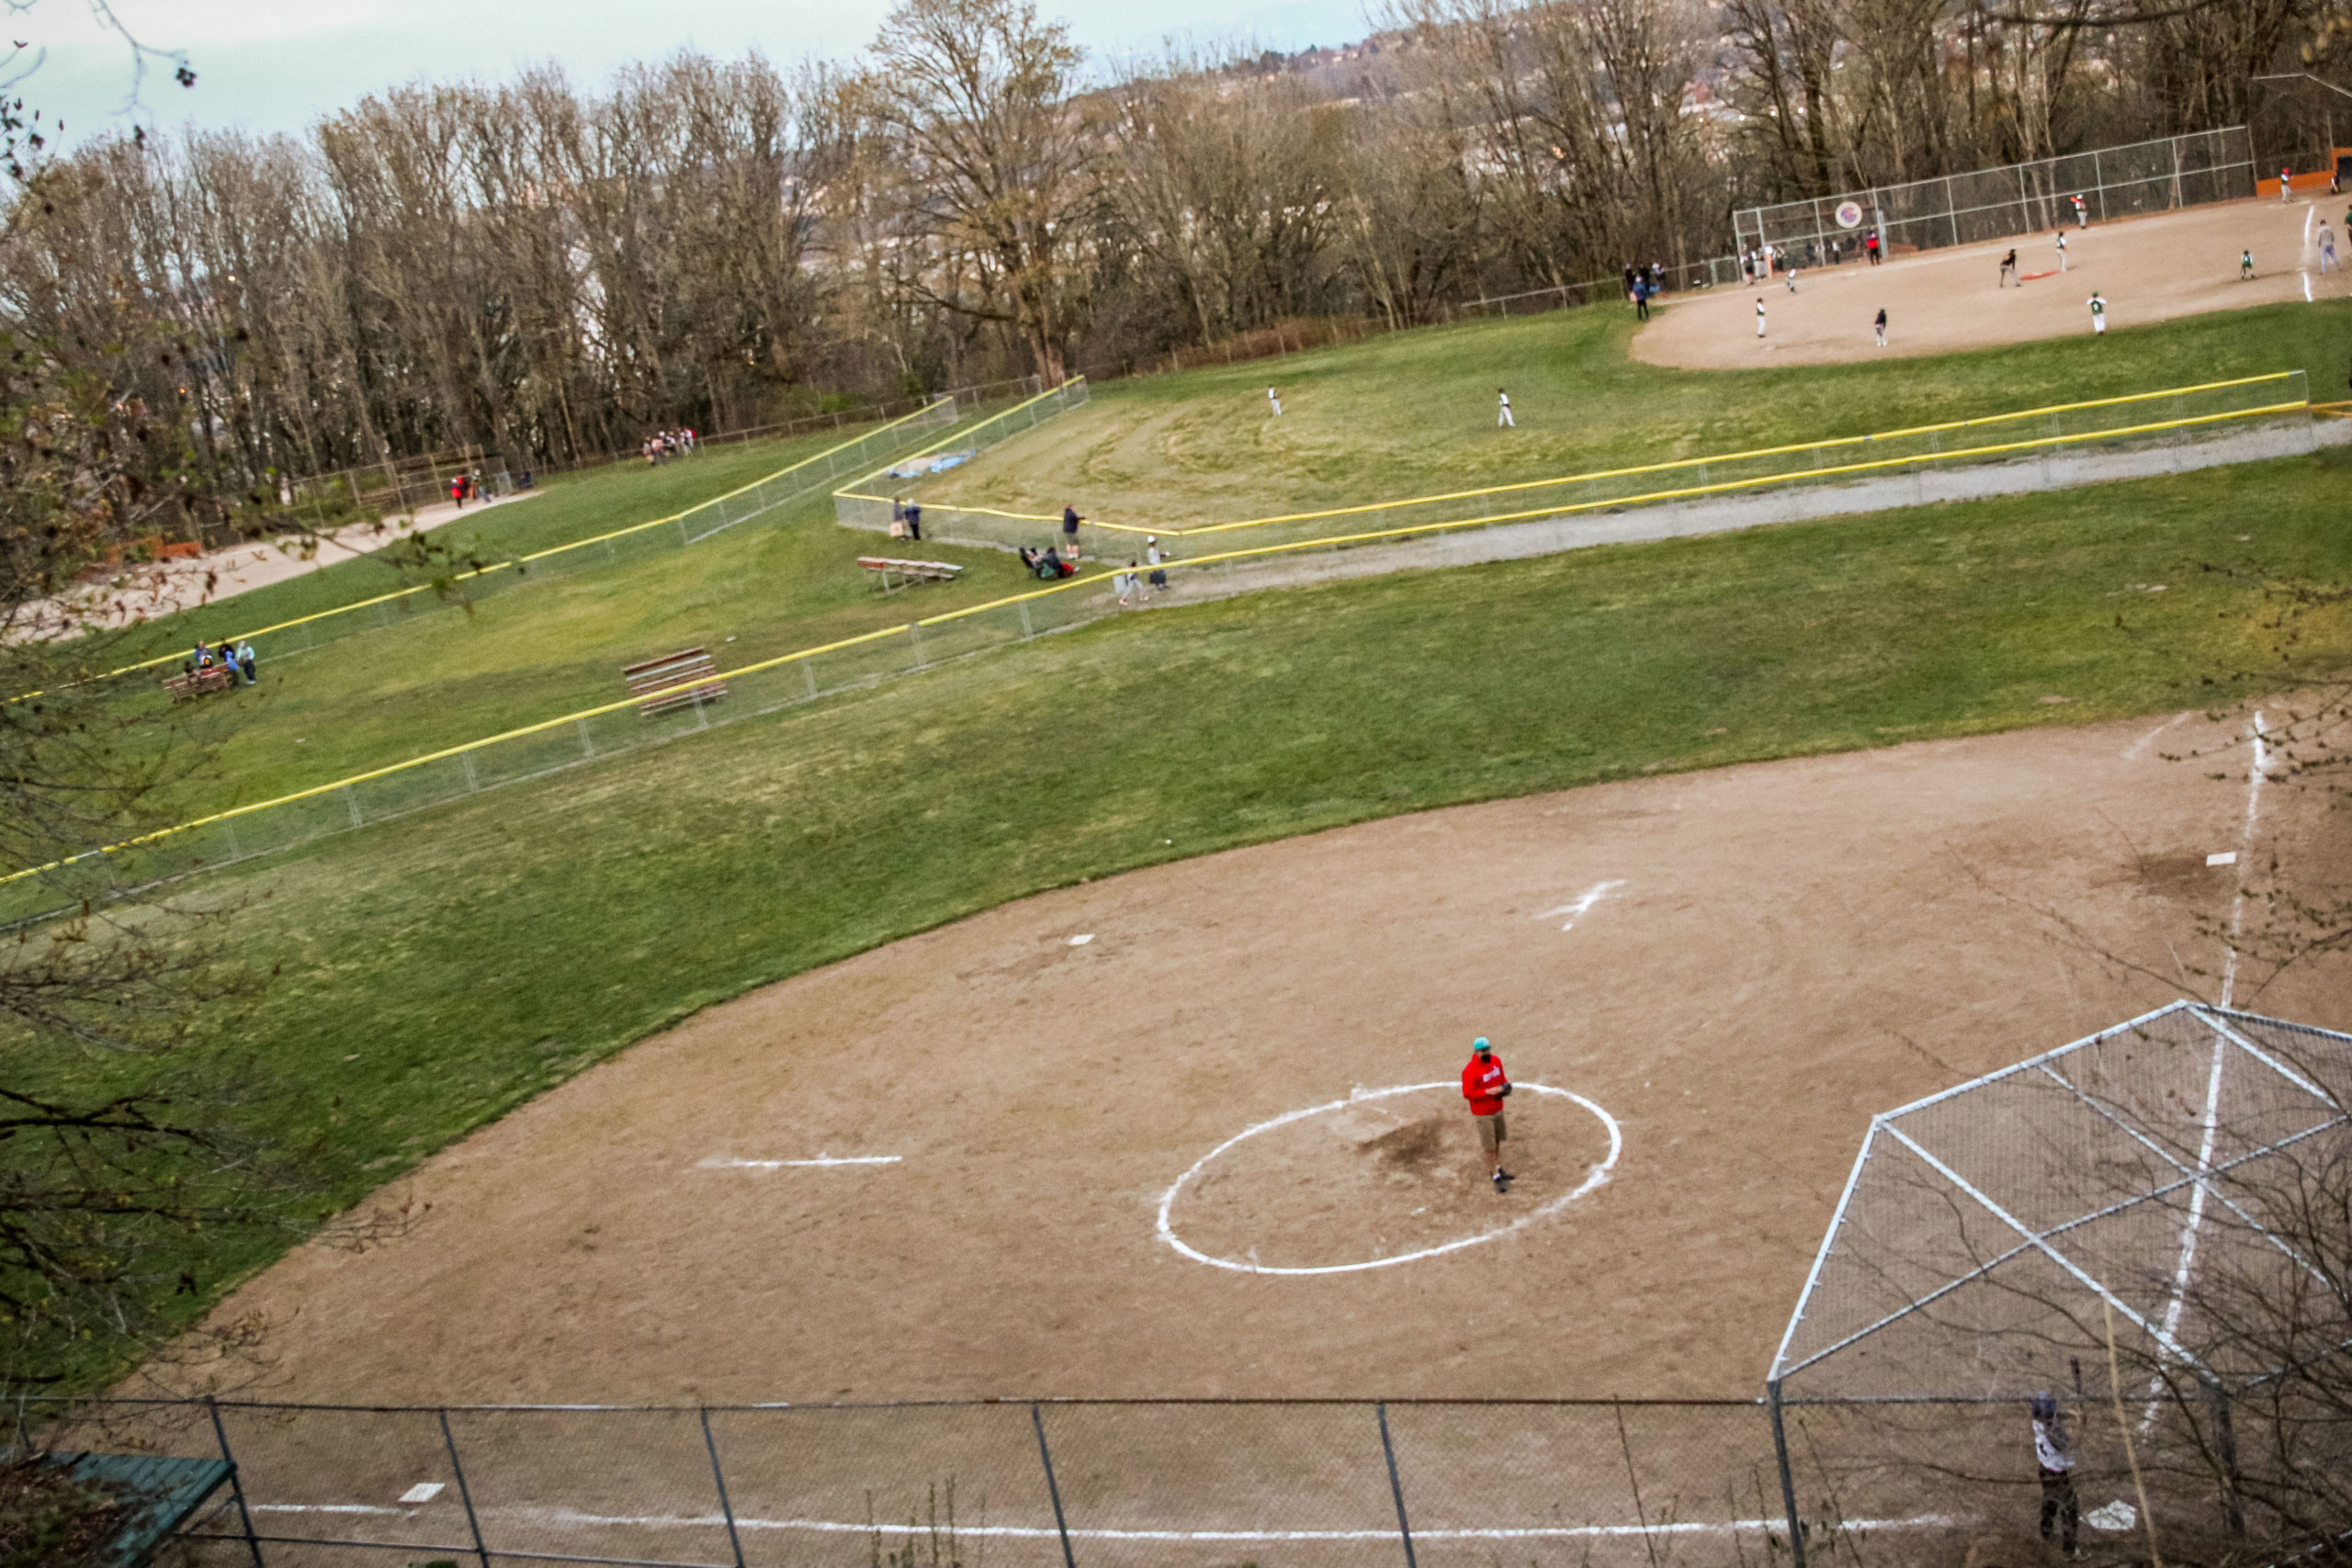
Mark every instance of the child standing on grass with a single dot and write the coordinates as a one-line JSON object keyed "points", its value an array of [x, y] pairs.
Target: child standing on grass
{"points": [[1502, 416]]}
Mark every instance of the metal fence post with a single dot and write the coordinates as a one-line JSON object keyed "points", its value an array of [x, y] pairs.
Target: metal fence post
{"points": [[236, 1480], [734, 1541], [1787, 1481], [1053, 1488], [1395, 1487], [465, 1494]]}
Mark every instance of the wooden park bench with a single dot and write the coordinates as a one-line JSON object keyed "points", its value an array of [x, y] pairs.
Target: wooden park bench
{"points": [[909, 572], [674, 681], [197, 683]]}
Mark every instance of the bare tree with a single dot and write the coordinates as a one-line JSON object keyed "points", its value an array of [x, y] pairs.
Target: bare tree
{"points": [[974, 97]]}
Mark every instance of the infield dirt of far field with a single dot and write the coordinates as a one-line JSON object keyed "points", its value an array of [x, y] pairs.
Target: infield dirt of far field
{"points": [[2149, 269], [1738, 967]]}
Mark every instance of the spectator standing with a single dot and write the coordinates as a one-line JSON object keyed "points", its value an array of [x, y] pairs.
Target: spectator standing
{"points": [[1485, 1085], [1159, 559], [1123, 584], [457, 491], [1641, 299], [1070, 520], [1872, 247], [2053, 1459], [2082, 213], [247, 664], [914, 518]]}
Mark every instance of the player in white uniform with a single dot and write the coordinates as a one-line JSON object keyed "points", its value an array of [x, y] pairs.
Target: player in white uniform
{"points": [[1274, 399], [1760, 315], [2098, 313], [1502, 414]]}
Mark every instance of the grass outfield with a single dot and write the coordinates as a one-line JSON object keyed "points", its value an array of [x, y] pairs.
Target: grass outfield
{"points": [[1414, 413], [440, 970], [1194, 446]]}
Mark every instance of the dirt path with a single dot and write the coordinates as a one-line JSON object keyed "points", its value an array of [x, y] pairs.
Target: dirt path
{"points": [[2150, 269], [1734, 970], [147, 592]]}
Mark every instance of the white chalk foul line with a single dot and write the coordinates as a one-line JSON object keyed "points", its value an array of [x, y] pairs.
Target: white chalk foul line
{"points": [[1575, 912], [1048, 1532], [728, 1162], [2245, 848], [1598, 1174]]}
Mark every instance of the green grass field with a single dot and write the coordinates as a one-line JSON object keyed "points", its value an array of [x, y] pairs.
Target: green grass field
{"points": [[1415, 413], [1194, 446], [435, 971], [571, 506]]}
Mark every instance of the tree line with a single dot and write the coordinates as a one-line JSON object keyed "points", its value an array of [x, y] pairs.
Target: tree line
{"points": [[548, 269]]}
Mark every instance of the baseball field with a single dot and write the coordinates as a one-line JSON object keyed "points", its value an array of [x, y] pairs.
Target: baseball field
{"points": [[1064, 1019]]}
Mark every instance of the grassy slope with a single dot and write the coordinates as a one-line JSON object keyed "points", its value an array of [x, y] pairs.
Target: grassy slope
{"points": [[1415, 413], [444, 968], [1360, 425], [574, 506]]}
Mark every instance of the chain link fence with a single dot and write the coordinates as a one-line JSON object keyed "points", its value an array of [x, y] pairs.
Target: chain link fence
{"points": [[2165, 418], [871, 500], [2272, 408], [2019, 199], [620, 547], [1409, 1484]]}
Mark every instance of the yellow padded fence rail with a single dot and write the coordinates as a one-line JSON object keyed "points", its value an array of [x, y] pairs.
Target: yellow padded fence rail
{"points": [[519, 562], [1102, 578], [1841, 443]]}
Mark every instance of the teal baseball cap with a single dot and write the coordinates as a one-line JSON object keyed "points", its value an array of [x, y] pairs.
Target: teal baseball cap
{"points": [[1480, 1044]]}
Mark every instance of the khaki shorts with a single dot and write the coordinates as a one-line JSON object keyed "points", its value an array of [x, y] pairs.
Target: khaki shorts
{"points": [[1491, 1132]]}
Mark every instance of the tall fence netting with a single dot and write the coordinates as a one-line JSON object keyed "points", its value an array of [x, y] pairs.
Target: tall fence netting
{"points": [[2017, 199]]}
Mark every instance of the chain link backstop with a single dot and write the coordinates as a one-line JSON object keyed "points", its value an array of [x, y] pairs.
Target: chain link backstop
{"points": [[2018, 199]]}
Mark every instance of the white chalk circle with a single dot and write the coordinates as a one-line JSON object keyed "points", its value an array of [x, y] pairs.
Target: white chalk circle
{"points": [[1594, 1177]]}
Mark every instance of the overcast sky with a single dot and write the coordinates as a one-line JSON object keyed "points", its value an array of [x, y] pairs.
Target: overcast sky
{"points": [[279, 65]]}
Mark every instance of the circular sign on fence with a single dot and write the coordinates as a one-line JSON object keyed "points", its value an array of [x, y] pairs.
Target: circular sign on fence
{"points": [[1850, 215]]}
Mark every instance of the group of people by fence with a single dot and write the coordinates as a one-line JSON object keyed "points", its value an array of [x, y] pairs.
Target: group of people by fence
{"points": [[664, 444]]}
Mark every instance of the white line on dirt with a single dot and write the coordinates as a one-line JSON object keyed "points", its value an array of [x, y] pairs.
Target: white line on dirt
{"points": [[2139, 748], [1048, 1532], [2245, 846], [1575, 912], [728, 1162], [1596, 1177]]}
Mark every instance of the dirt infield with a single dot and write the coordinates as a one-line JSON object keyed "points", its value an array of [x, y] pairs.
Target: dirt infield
{"points": [[1734, 969], [2151, 269]]}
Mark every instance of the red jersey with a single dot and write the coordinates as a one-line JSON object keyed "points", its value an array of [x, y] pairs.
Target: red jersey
{"points": [[1483, 1083]]}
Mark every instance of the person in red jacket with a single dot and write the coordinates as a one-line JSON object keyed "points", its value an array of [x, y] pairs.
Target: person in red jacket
{"points": [[1485, 1085]]}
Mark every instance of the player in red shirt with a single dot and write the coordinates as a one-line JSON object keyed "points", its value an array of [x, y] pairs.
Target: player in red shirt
{"points": [[1485, 1085]]}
